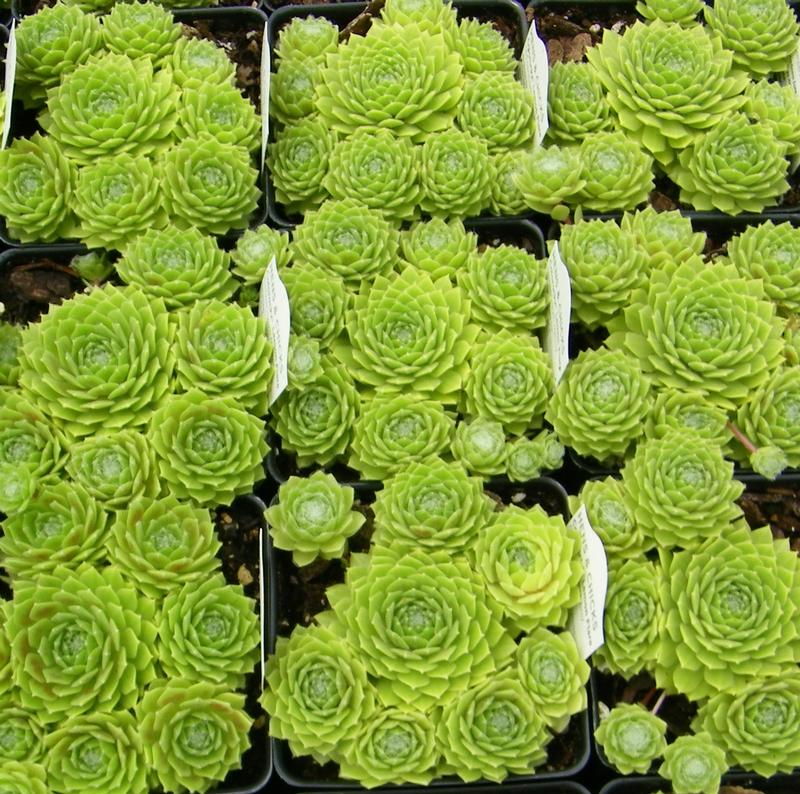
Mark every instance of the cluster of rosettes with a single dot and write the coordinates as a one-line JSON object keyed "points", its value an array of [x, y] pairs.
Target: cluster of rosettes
{"points": [[443, 652], [143, 130], [699, 100], [423, 113], [407, 344]]}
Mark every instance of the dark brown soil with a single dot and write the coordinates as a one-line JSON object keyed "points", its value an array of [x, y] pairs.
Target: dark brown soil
{"points": [[776, 506], [28, 288]]}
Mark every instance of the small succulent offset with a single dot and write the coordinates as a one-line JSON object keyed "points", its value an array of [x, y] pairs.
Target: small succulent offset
{"points": [[527, 458], [480, 446], [313, 518], [665, 236], [439, 247], [632, 738], [17, 486], [576, 103], [686, 412], [693, 765], [307, 37], [27, 437], [319, 301], [549, 178], [292, 89], [254, 251], [779, 107], [682, 11], [141, 30], [220, 111], [199, 62], [303, 362], [482, 48], [23, 777], [21, 733]]}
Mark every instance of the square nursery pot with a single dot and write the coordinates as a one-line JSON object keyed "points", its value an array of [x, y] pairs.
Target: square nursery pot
{"points": [[522, 233], [570, 17], [222, 21], [781, 784], [573, 744], [507, 11]]}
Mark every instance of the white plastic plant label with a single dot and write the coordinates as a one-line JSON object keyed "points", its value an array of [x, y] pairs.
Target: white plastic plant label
{"points": [[534, 71], [266, 75], [586, 619], [11, 72], [273, 306], [556, 335]]}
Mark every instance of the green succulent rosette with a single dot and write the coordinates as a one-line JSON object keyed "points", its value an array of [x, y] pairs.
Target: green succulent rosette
{"points": [[377, 169], [193, 733], [307, 37], [617, 173], [762, 36], [482, 48], [23, 777], [209, 631], [101, 360], [62, 525], [605, 265], [298, 163], [393, 430], [480, 446], [422, 624], [684, 12], [397, 77], [17, 486], [199, 62], [111, 105], [731, 613], [255, 249], [408, 332], [507, 288], [694, 765], [549, 178], [180, 266], [292, 89], [50, 44], [10, 340], [433, 16], [141, 30], [304, 361], [313, 518], [576, 103], [497, 109], [492, 730], [526, 458], [161, 544], [316, 422], [317, 694], [679, 83], [510, 380], [347, 239], [116, 199], [456, 174], [778, 106], [209, 450], [771, 252], [632, 619], [209, 184], [93, 267], [612, 519], [319, 301], [81, 641], [530, 564], [600, 404], [28, 439], [771, 415], [21, 733], [223, 350], [554, 675], [431, 504], [506, 198], [702, 328], [665, 236], [686, 412], [737, 166], [758, 728], [222, 112], [395, 745], [632, 738], [114, 468], [681, 490], [97, 753], [37, 184], [439, 247]]}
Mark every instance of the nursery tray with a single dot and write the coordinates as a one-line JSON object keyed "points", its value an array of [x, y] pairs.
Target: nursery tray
{"points": [[522, 233], [23, 121], [544, 491], [565, 787], [781, 784], [342, 13]]}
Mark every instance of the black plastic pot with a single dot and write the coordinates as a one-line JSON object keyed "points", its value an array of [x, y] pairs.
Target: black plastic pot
{"points": [[781, 784], [562, 787], [23, 123], [543, 491], [342, 13]]}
